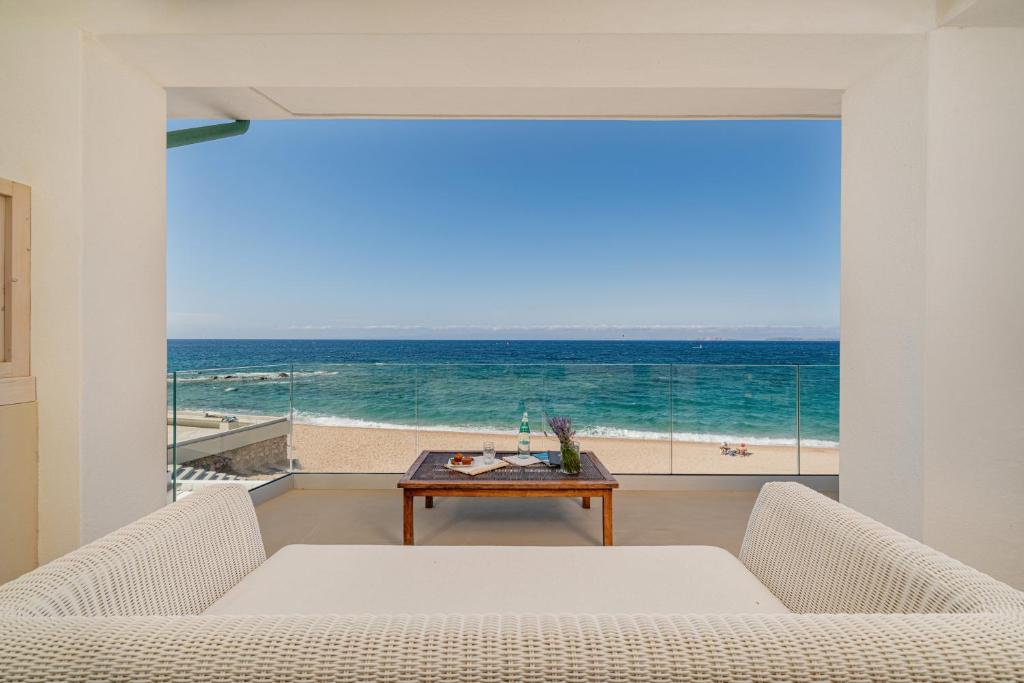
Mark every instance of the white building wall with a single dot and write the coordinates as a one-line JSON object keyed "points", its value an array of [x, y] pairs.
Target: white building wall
{"points": [[41, 145], [86, 133], [974, 385], [123, 297], [933, 296], [882, 299]]}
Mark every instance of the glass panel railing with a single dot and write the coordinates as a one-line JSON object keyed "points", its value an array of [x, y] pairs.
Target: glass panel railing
{"points": [[358, 417], [231, 425], [459, 407], [734, 419], [621, 412], [374, 417], [819, 419]]}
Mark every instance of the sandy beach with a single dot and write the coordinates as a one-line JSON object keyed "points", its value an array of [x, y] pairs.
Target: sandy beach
{"points": [[365, 449]]}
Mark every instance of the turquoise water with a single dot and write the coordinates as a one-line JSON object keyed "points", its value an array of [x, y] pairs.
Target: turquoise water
{"points": [[689, 391]]}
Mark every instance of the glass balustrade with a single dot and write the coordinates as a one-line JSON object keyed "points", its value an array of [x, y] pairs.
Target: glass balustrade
{"points": [[254, 424], [819, 419], [357, 417], [228, 425], [734, 419]]}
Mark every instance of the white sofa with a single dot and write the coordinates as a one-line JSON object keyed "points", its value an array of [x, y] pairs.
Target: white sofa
{"points": [[818, 593]]}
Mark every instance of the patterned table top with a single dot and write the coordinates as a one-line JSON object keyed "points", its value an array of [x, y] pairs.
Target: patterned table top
{"points": [[429, 468]]}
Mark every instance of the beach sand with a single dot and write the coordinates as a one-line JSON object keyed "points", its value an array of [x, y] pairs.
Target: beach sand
{"points": [[366, 449]]}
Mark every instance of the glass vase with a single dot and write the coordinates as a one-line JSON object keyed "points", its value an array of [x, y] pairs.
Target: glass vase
{"points": [[571, 458]]}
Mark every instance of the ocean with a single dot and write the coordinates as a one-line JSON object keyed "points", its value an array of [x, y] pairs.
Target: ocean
{"points": [[706, 391]]}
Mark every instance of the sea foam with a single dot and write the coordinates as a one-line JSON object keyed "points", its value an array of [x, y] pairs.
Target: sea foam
{"points": [[597, 431]]}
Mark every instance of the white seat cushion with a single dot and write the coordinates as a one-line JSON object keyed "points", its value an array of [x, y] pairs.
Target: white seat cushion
{"points": [[375, 579]]}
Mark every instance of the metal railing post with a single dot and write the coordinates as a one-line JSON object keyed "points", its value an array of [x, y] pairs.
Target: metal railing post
{"points": [[174, 436], [799, 437]]}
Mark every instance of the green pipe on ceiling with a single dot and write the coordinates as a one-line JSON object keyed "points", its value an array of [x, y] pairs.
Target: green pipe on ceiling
{"points": [[191, 136]]}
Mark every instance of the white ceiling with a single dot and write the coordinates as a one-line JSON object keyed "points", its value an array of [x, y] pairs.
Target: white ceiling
{"points": [[531, 58], [421, 102], [643, 75], [502, 16]]}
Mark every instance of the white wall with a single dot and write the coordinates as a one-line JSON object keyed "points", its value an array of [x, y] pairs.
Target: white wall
{"points": [[974, 386], [882, 297], [41, 145], [86, 133], [123, 281], [933, 296]]}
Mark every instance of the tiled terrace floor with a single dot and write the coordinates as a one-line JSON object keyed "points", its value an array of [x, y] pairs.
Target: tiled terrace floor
{"points": [[375, 517]]}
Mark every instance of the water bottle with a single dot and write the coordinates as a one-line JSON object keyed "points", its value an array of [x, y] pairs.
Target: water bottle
{"points": [[524, 436]]}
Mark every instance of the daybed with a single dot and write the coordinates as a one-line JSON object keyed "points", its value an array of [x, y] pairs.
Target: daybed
{"points": [[818, 593]]}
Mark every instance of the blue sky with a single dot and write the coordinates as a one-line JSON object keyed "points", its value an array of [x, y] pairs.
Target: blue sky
{"points": [[506, 229]]}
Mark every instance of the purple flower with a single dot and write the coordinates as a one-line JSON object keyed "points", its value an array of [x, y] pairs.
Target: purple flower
{"points": [[562, 428]]}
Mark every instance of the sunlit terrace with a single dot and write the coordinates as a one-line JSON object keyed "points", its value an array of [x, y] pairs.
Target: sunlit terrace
{"points": [[400, 519], [221, 432]]}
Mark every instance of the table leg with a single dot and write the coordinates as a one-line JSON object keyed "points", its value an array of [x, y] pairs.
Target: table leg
{"points": [[428, 501], [407, 519], [606, 510], [586, 502]]}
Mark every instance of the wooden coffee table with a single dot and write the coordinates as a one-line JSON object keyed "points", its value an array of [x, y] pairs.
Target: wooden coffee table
{"points": [[428, 477]]}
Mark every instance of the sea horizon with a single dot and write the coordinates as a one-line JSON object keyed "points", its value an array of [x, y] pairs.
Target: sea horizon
{"points": [[785, 339]]}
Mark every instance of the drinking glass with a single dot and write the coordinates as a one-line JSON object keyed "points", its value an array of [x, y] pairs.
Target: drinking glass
{"points": [[488, 452]]}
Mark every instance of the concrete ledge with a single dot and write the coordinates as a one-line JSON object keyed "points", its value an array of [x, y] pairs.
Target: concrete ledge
{"points": [[231, 439], [272, 489]]}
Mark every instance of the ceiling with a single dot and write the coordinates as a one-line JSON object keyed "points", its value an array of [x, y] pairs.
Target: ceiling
{"points": [[260, 59]]}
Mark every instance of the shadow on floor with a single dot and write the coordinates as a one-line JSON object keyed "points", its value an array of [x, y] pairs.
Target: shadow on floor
{"points": [[375, 517]]}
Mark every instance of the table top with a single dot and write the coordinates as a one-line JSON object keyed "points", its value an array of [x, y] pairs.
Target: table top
{"points": [[429, 472]]}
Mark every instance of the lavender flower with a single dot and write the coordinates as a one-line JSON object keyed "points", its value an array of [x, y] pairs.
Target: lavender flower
{"points": [[562, 428]]}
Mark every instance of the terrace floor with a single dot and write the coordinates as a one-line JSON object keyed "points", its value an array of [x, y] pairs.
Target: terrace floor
{"points": [[374, 516]]}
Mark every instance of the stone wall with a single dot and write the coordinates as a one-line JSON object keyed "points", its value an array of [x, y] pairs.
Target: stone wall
{"points": [[263, 457]]}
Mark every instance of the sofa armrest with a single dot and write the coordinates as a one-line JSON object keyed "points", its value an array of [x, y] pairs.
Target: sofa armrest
{"points": [[177, 560], [546, 648], [817, 555]]}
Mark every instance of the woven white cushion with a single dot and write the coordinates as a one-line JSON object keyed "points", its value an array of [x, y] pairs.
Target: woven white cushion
{"points": [[177, 560], [813, 552], [579, 648], [326, 579], [820, 556]]}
